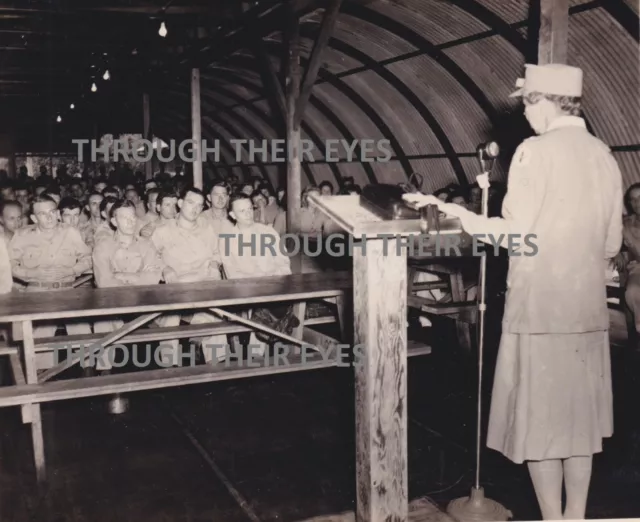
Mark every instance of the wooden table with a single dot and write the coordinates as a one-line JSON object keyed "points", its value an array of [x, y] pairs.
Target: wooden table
{"points": [[22, 309]]}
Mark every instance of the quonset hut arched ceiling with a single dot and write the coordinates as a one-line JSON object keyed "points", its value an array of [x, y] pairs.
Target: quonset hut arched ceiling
{"points": [[431, 76]]}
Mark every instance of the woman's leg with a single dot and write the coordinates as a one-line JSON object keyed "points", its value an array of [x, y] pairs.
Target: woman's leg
{"points": [[546, 476], [577, 476]]}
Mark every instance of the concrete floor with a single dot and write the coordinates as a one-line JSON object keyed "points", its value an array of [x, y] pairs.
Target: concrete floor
{"points": [[282, 449]]}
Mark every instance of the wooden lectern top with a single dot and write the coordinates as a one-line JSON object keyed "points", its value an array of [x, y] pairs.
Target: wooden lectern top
{"points": [[358, 221]]}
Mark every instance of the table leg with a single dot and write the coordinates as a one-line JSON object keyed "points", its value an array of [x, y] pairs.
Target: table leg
{"points": [[380, 317], [36, 419]]}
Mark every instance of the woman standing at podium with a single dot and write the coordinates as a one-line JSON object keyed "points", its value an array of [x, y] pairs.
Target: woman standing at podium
{"points": [[552, 401]]}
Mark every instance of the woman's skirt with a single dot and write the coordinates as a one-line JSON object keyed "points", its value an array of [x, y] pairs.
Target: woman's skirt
{"points": [[552, 396]]}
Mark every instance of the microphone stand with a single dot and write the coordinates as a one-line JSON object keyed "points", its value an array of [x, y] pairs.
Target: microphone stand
{"points": [[477, 507]]}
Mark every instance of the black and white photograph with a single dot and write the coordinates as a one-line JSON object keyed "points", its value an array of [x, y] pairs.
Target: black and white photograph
{"points": [[319, 260]]}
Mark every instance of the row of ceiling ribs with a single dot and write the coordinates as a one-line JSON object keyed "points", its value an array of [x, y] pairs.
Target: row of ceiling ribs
{"points": [[244, 73]]}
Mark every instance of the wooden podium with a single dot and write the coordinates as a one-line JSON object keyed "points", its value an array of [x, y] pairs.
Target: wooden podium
{"points": [[380, 316]]}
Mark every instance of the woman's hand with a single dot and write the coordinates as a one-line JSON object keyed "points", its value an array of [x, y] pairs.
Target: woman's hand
{"points": [[422, 200]]}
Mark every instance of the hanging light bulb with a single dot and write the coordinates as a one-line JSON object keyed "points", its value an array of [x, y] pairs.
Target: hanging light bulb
{"points": [[72, 106], [93, 87], [106, 75], [58, 119], [163, 30]]}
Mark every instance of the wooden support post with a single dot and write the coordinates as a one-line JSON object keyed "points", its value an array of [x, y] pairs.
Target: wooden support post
{"points": [[196, 128], [328, 22], [294, 182], [146, 115], [554, 30], [380, 315]]}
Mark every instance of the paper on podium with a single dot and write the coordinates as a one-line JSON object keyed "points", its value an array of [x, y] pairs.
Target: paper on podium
{"points": [[358, 221]]}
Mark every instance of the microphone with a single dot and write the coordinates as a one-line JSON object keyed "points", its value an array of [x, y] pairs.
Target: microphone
{"points": [[487, 151]]}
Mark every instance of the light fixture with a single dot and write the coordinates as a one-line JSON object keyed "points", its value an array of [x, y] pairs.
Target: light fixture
{"points": [[163, 30], [72, 106], [106, 75], [58, 119], [94, 88]]}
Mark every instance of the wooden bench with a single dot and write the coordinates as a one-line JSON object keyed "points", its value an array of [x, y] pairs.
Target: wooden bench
{"points": [[145, 303]]}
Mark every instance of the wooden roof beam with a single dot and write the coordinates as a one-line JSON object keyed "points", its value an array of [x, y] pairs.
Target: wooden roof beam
{"points": [[553, 38], [310, 75]]}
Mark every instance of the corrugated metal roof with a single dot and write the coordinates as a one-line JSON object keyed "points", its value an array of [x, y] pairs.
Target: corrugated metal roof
{"points": [[467, 96]]}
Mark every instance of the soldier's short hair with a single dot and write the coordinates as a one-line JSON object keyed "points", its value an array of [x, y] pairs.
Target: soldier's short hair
{"points": [[193, 190], [8, 204], [237, 197], [627, 197], [571, 105], [69, 203], [42, 198], [149, 192], [164, 194], [221, 184], [257, 193], [108, 200], [121, 203]]}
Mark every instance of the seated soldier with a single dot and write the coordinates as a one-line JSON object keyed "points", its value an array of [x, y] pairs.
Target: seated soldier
{"points": [[245, 252], [124, 259], [151, 199], [104, 229], [260, 205], [628, 261], [251, 261], [131, 193], [189, 251], [89, 226], [49, 256], [6, 192], [6, 280], [10, 218], [22, 196], [70, 210], [167, 207], [218, 215]]}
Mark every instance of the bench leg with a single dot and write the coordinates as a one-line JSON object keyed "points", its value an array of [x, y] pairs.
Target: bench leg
{"points": [[300, 311], [35, 418]]}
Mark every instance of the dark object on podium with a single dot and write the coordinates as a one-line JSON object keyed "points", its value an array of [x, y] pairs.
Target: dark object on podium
{"points": [[386, 201]]}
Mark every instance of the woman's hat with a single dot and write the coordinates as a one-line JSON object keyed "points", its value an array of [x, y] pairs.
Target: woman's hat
{"points": [[553, 78]]}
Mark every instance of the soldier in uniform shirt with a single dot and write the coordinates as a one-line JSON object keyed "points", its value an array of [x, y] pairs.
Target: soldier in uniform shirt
{"points": [[218, 214], [552, 404], [95, 218], [151, 200], [189, 251], [49, 256], [10, 218], [70, 211], [132, 195], [125, 259], [6, 279], [251, 261], [7, 193], [257, 260], [167, 207], [104, 230]]}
